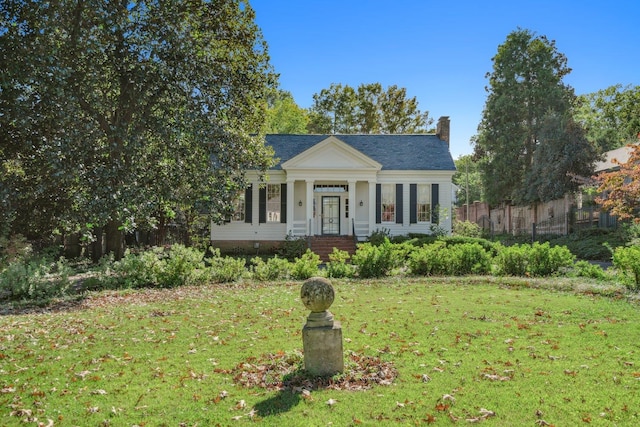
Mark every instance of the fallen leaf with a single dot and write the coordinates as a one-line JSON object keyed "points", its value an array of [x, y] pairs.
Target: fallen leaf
{"points": [[331, 402]]}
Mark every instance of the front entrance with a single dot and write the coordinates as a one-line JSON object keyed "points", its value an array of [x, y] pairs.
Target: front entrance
{"points": [[330, 215]]}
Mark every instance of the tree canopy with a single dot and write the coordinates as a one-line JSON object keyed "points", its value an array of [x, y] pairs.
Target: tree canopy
{"points": [[468, 180], [284, 115], [611, 116], [369, 109], [113, 114], [528, 141]]}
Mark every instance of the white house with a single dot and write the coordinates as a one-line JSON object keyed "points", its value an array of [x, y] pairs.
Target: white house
{"points": [[346, 185]]}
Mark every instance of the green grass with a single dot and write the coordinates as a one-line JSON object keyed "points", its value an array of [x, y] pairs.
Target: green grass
{"points": [[515, 347]]}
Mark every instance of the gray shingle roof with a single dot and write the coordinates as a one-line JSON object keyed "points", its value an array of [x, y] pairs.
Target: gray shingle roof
{"points": [[393, 152]]}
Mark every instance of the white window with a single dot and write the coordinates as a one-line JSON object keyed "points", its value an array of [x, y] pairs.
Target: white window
{"points": [[273, 202], [388, 202], [238, 214], [423, 202]]}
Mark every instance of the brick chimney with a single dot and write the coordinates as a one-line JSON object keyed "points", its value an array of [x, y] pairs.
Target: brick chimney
{"points": [[442, 129]]}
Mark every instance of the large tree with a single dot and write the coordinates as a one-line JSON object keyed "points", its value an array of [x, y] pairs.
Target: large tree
{"points": [[284, 115], [527, 139], [116, 113], [468, 180], [610, 116], [369, 109]]}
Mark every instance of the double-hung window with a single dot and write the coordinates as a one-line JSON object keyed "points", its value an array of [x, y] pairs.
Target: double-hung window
{"points": [[240, 208], [273, 202], [423, 202], [388, 202]]}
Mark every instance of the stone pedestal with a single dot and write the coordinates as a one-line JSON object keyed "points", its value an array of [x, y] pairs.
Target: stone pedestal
{"points": [[323, 354], [321, 335]]}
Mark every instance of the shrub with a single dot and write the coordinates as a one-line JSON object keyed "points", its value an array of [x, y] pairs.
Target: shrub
{"points": [[293, 247], [221, 270], [306, 266], [586, 269], [338, 265], [13, 249], [379, 236], [468, 258], [512, 260], [627, 263], [374, 260], [35, 279], [134, 270], [429, 260], [467, 229], [273, 269], [179, 267], [539, 259], [546, 260]]}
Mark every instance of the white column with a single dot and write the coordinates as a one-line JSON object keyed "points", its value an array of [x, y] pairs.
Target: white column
{"points": [[352, 207], [371, 205], [309, 204], [290, 205]]}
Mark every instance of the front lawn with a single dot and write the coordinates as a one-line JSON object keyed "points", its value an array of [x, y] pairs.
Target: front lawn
{"points": [[500, 351]]}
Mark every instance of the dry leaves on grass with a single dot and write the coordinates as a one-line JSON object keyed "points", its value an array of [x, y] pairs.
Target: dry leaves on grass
{"points": [[284, 371]]}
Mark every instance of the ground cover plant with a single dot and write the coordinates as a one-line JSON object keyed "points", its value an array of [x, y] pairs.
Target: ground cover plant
{"points": [[495, 350]]}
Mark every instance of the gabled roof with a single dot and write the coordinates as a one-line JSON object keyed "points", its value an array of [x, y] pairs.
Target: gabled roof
{"points": [[393, 152], [621, 155]]}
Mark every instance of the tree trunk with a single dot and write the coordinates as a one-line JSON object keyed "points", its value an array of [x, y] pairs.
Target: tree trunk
{"points": [[114, 239], [72, 248], [96, 246]]}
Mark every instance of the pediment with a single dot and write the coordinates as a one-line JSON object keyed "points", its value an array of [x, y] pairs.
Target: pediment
{"points": [[331, 154]]}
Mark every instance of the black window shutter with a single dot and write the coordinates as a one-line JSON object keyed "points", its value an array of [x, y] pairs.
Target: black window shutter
{"points": [[435, 203], [248, 204], [283, 203], [399, 205], [378, 203], [262, 205], [413, 203]]}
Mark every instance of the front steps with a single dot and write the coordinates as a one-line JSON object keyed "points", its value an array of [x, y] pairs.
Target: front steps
{"points": [[323, 245]]}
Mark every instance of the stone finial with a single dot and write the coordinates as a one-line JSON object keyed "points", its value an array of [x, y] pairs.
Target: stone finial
{"points": [[317, 295]]}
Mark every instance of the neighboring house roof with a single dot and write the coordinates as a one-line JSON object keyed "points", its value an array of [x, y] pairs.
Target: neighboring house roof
{"points": [[393, 152], [621, 155]]}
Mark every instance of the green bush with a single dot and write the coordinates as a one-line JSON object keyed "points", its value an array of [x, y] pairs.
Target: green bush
{"points": [[293, 247], [512, 260], [273, 269], [626, 260], [134, 270], [584, 268], [467, 229], [379, 236], [179, 267], [338, 265], [538, 260], [468, 258], [429, 260], [456, 260], [221, 270], [546, 260], [374, 260], [306, 266], [35, 279]]}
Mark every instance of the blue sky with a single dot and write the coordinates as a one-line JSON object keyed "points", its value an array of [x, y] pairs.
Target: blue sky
{"points": [[440, 51]]}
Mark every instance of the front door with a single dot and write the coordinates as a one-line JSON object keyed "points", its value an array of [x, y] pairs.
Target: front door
{"points": [[331, 215]]}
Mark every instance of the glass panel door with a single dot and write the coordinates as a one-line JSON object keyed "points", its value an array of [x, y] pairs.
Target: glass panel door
{"points": [[330, 215]]}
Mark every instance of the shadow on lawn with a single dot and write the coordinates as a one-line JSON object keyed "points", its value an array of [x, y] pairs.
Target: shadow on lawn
{"points": [[284, 401]]}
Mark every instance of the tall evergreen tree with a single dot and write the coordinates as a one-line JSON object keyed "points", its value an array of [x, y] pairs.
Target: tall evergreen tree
{"points": [[526, 124], [115, 112]]}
